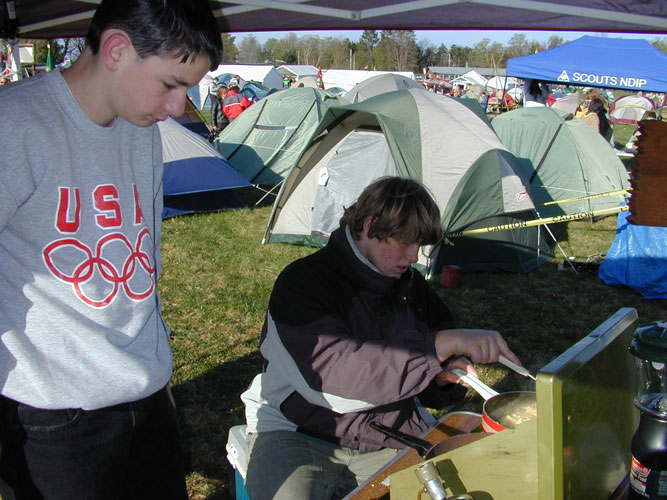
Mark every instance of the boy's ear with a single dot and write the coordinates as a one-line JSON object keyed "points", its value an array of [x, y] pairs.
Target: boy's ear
{"points": [[114, 47], [367, 225]]}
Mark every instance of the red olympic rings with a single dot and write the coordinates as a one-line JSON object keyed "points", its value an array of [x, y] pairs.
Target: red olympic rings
{"points": [[84, 272]]}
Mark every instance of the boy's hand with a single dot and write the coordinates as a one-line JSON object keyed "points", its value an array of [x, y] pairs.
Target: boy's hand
{"points": [[481, 346]]}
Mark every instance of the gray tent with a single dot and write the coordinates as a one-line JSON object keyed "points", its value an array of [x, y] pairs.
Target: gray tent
{"points": [[380, 84]]}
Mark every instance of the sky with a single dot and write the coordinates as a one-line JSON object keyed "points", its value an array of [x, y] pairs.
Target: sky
{"points": [[466, 38]]}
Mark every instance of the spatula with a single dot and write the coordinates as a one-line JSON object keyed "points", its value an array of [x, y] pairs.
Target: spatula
{"points": [[513, 366]]}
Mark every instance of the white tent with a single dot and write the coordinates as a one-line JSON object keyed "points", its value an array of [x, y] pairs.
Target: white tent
{"points": [[470, 78], [502, 83], [629, 109], [348, 78], [297, 70], [568, 103], [308, 81]]}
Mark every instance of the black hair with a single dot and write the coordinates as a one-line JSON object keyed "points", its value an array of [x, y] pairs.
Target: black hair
{"points": [[183, 28], [535, 88]]}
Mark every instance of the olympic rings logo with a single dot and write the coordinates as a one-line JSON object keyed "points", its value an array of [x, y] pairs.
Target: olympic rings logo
{"points": [[85, 271]]}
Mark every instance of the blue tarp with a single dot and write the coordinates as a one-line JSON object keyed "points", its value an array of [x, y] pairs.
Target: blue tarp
{"points": [[637, 258], [615, 63]]}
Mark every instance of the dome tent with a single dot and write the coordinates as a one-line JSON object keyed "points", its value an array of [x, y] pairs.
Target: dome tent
{"points": [[435, 139], [265, 141], [568, 159], [195, 178], [379, 84]]}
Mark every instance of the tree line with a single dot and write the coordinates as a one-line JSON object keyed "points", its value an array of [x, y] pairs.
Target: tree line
{"points": [[385, 50]]}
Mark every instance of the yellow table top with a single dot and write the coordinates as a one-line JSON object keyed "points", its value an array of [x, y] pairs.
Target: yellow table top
{"points": [[501, 466]]}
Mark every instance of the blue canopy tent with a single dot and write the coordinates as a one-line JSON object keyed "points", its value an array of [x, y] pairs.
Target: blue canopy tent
{"points": [[614, 63]]}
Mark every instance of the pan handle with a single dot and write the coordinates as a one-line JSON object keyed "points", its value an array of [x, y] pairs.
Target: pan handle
{"points": [[421, 445], [482, 389]]}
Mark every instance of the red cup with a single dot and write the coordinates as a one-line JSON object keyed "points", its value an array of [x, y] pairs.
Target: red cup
{"points": [[451, 277]]}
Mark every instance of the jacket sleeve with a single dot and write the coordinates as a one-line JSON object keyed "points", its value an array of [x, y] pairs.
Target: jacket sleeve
{"points": [[438, 317], [310, 340]]}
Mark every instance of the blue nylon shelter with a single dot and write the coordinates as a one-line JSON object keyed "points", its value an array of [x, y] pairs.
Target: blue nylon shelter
{"points": [[589, 61], [637, 258]]}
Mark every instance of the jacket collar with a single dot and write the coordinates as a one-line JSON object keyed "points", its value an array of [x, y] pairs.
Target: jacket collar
{"points": [[359, 269]]}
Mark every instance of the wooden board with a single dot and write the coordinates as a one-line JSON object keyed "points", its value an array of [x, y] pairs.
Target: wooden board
{"points": [[648, 176]]}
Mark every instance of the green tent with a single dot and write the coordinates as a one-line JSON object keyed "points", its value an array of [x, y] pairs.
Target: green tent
{"points": [[438, 140], [568, 159], [264, 142]]}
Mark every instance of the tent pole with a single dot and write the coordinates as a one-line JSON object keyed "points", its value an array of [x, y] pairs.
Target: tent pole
{"points": [[560, 248], [270, 191], [553, 237]]}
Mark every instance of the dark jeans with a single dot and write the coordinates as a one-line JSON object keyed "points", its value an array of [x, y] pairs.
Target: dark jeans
{"points": [[127, 451]]}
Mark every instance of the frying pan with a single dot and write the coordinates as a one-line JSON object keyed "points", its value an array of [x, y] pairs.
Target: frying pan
{"points": [[425, 449], [502, 410]]}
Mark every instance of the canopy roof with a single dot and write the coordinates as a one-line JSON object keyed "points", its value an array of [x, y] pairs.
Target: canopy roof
{"points": [[590, 61], [66, 18]]}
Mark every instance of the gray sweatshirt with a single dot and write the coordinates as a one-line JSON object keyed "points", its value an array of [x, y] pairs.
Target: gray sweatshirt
{"points": [[80, 208]]}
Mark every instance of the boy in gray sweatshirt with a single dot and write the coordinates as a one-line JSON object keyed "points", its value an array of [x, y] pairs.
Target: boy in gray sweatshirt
{"points": [[85, 362]]}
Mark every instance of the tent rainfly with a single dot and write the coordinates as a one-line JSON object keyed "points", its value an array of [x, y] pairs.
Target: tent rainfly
{"points": [[438, 140]]}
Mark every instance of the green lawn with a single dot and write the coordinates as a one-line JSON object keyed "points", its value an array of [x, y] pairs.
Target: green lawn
{"points": [[215, 286]]}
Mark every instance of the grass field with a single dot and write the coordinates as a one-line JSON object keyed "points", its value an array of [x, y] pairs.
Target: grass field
{"points": [[215, 285]]}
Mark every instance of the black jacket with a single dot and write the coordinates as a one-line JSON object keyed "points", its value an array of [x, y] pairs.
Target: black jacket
{"points": [[345, 346]]}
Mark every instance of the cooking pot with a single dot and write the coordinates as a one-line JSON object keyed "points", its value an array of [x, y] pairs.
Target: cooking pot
{"points": [[502, 410], [425, 449]]}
